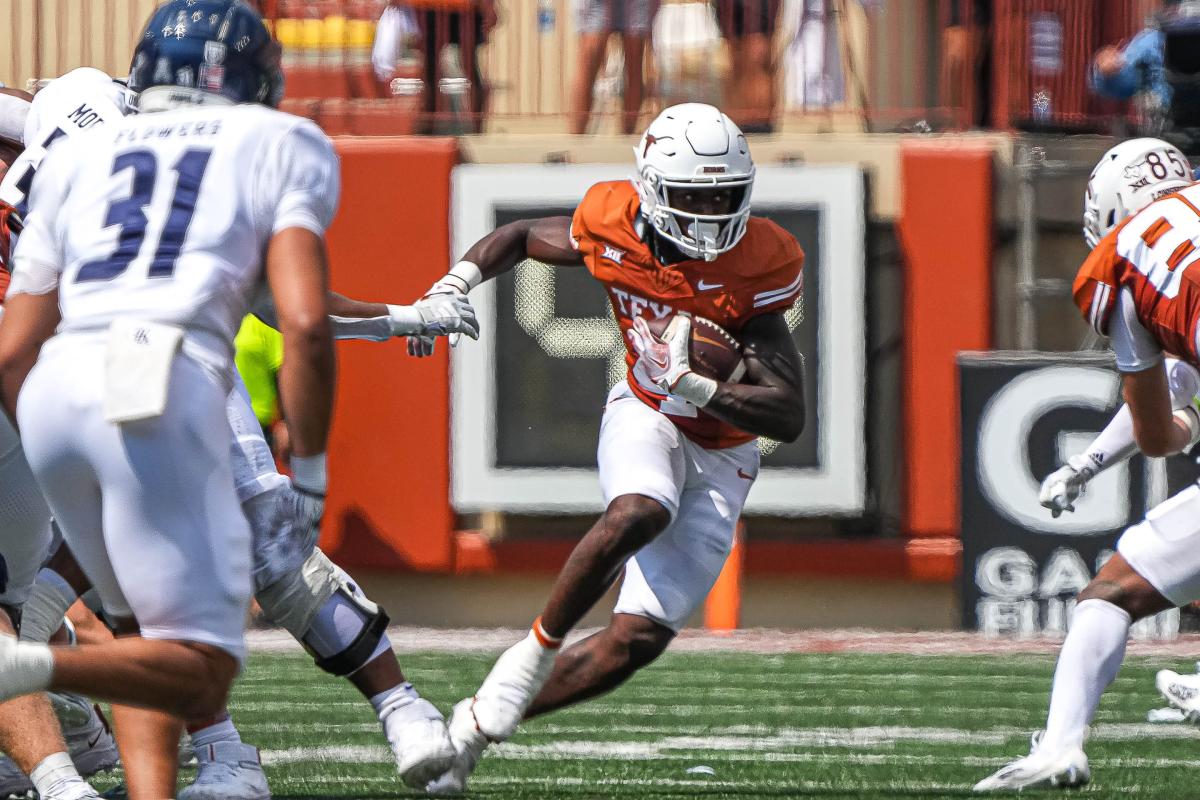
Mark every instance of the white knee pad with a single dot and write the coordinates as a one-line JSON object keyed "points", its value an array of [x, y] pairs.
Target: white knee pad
{"points": [[296, 601]]}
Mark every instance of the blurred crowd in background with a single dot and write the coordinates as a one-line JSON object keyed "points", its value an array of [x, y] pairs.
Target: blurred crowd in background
{"points": [[587, 66]]}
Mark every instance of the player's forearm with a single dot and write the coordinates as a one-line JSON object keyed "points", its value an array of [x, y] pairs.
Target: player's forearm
{"points": [[342, 306], [547, 240], [762, 410], [500, 250], [306, 382], [1179, 433]]}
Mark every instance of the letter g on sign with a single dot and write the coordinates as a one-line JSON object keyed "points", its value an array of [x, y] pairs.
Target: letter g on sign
{"points": [[1003, 465]]}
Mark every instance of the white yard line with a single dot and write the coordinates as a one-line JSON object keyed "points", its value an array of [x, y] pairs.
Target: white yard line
{"points": [[799, 745], [633, 751], [863, 738]]}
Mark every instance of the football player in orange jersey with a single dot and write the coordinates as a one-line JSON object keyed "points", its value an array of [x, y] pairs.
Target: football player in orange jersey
{"points": [[1139, 287], [677, 453]]}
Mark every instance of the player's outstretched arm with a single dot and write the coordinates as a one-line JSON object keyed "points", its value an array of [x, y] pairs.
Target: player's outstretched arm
{"points": [[1115, 443], [547, 239], [296, 273], [29, 320]]}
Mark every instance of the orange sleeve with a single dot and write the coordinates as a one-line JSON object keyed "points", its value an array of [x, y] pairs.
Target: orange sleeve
{"points": [[588, 220], [1095, 287], [781, 282]]}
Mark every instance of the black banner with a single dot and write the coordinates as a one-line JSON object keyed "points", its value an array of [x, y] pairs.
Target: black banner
{"points": [[1022, 416]]}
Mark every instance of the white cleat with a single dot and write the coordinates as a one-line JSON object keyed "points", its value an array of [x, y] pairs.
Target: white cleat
{"points": [[469, 745], [1181, 691], [422, 747], [228, 771], [516, 678], [1064, 769]]}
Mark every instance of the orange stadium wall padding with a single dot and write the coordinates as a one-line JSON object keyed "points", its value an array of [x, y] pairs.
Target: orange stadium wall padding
{"points": [[389, 456], [945, 230]]}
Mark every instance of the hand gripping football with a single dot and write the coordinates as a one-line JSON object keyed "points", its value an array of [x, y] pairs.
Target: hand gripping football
{"points": [[714, 352]]}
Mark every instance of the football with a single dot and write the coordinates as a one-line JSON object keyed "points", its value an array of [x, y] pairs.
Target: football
{"points": [[714, 352]]}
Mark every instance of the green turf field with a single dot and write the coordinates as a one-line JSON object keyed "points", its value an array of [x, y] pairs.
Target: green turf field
{"points": [[827, 726]]}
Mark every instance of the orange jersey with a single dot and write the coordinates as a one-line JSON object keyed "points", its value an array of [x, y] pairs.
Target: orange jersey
{"points": [[1153, 255], [758, 276]]}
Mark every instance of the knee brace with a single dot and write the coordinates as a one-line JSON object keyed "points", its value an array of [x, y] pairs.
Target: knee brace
{"points": [[327, 613]]}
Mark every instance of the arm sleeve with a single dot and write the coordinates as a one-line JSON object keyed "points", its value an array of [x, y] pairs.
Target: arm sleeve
{"points": [[1114, 444], [372, 329], [301, 182], [38, 257], [1135, 348], [1142, 52]]}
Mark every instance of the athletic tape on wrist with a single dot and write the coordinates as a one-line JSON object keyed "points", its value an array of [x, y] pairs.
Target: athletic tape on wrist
{"points": [[308, 473], [696, 389], [1191, 418], [468, 272]]}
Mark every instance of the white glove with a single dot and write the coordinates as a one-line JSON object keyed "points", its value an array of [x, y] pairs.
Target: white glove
{"points": [[445, 302], [665, 363], [1063, 487], [446, 313], [664, 360]]}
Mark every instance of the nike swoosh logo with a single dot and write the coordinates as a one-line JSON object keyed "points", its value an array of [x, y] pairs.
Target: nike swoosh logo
{"points": [[742, 474], [705, 286], [92, 743]]}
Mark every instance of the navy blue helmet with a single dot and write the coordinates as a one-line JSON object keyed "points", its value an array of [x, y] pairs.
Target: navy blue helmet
{"points": [[217, 46]]}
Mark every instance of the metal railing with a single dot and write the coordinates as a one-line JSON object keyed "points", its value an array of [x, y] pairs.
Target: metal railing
{"points": [[609, 65]]}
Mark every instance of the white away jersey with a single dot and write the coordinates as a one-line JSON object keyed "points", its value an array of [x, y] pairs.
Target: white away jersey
{"points": [[165, 217], [80, 100]]}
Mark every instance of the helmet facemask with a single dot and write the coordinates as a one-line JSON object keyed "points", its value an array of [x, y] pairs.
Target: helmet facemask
{"points": [[702, 228]]}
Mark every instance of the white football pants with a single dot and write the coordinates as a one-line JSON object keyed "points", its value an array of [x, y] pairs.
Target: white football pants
{"points": [[642, 452], [148, 507]]}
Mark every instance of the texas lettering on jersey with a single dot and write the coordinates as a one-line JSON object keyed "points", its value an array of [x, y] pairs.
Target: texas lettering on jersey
{"points": [[761, 275], [1153, 255]]}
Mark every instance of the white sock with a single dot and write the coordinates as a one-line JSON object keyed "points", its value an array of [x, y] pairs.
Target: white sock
{"points": [[388, 701], [222, 731], [1089, 661], [54, 770]]}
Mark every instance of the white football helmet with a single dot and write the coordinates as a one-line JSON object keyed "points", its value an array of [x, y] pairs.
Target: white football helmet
{"points": [[692, 147], [1128, 178]]}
